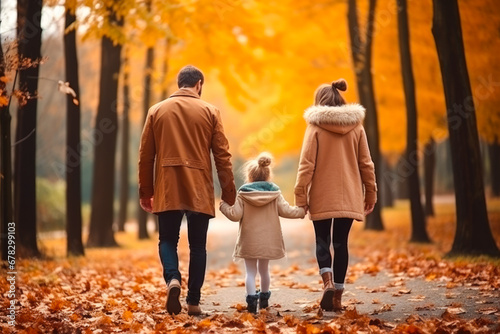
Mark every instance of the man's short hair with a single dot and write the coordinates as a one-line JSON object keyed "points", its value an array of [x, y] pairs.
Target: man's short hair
{"points": [[188, 76]]}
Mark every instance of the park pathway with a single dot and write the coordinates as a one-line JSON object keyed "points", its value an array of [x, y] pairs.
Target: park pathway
{"points": [[296, 285]]}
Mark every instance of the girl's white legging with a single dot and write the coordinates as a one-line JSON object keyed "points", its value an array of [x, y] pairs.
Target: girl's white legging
{"points": [[251, 266]]}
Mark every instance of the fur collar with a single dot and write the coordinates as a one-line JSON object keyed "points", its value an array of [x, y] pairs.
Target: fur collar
{"points": [[346, 115]]}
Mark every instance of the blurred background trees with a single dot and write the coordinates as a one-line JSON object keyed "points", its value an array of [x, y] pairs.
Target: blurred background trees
{"points": [[262, 62], [73, 151], [29, 40], [418, 231], [473, 234]]}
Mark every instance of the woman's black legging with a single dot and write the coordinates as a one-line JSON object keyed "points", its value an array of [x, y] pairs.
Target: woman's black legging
{"points": [[324, 236]]}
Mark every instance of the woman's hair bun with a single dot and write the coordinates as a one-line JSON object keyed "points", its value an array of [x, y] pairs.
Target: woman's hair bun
{"points": [[340, 84], [264, 159]]}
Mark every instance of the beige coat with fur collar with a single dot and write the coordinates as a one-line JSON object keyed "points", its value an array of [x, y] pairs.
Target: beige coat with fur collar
{"points": [[258, 208], [335, 164]]}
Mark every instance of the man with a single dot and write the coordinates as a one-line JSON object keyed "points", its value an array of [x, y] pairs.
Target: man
{"points": [[178, 136]]}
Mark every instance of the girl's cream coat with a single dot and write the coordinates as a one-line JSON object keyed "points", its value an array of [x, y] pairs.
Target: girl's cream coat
{"points": [[335, 164], [258, 207]]}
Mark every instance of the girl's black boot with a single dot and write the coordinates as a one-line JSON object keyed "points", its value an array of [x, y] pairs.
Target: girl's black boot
{"points": [[264, 299], [252, 301]]}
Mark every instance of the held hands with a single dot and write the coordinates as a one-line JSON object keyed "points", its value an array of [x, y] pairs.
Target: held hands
{"points": [[369, 208], [305, 207], [147, 204]]}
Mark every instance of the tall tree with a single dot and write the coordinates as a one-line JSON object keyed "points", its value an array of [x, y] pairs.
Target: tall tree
{"points": [[388, 197], [29, 32], [429, 170], [106, 124], [494, 153], [125, 135], [148, 71], [5, 159], [143, 215], [473, 233], [73, 155], [418, 231], [166, 68], [361, 49]]}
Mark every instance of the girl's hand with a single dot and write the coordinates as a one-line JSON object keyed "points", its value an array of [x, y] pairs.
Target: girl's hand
{"points": [[305, 207], [369, 208]]}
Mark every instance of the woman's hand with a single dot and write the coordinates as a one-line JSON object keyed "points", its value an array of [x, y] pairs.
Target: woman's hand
{"points": [[369, 208]]}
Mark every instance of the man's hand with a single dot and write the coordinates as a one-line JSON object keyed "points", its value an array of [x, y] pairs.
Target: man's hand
{"points": [[369, 208], [147, 204]]}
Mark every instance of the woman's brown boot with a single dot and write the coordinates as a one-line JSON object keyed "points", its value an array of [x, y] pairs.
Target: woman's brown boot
{"points": [[337, 300], [328, 292]]}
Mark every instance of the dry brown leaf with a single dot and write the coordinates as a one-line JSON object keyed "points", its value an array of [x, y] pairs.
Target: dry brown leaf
{"points": [[384, 308], [455, 310], [377, 290], [417, 298], [404, 291], [427, 307], [239, 307], [488, 310], [290, 320], [127, 315], [353, 301]]}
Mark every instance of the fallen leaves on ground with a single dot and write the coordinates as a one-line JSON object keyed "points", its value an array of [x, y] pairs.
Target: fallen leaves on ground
{"points": [[122, 290]]}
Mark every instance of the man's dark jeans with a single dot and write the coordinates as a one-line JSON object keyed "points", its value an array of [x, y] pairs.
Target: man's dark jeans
{"points": [[169, 225]]}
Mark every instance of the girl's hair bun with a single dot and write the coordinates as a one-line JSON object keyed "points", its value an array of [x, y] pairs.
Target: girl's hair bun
{"points": [[340, 84], [264, 159]]}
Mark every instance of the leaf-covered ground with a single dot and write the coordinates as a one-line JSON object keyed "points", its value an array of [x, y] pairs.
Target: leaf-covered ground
{"points": [[392, 286]]}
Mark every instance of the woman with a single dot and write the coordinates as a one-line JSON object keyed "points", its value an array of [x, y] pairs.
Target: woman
{"points": [[334, 166]]}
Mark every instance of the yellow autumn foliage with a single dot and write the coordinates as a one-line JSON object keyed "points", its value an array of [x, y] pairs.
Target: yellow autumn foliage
{"points": [[264, 60]]}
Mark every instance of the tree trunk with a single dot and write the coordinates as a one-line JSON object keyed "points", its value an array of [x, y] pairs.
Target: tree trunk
{"points": [[362, 60], [429, 171], [143, 215], [387, 199], [402, 170], [418, 231], [166, 58], [164, 91], [494, 153], [125, 141], [29, 42], [473, 233], [106, 124], [73, 154], [5, 165]]}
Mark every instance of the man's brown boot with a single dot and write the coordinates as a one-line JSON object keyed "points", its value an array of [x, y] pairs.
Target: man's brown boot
{"points": [[337, 300], [173, 304], [328, 291]]}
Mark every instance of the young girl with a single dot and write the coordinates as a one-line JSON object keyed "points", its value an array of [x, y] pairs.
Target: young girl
{"points": [[335, 165], [259, 204]]}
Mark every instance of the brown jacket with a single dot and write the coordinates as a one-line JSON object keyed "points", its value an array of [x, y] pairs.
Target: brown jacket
{"points": [[258, 206], [335, 163], [178, 135]]}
